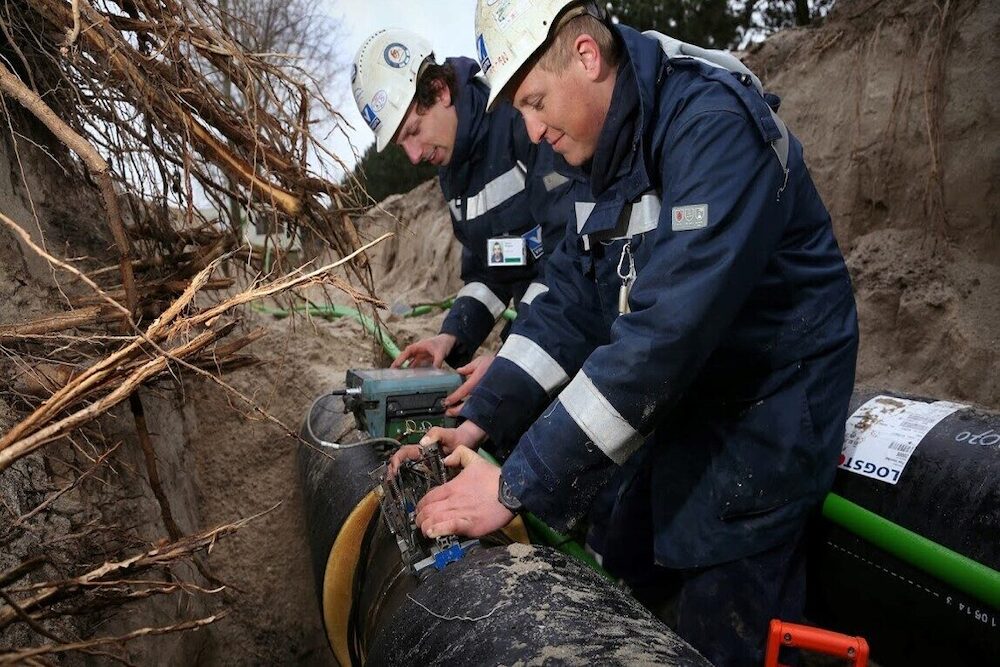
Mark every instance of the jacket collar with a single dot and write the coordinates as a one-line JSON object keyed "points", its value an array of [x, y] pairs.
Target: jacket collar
{"points": [[472, 126], [629, 118]]}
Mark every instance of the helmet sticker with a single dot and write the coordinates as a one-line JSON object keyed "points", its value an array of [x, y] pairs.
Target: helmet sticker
{"points": [[379, 100], [354, 72], [371, 118], [507, 12], [484, 57], [396, 55]]}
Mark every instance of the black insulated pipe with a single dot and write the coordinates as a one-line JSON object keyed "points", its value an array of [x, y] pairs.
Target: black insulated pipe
{"points": [[949, 493], [502, 603]]}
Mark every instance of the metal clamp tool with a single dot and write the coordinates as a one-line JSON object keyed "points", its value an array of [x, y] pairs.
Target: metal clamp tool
{"points": [[398, 498]]}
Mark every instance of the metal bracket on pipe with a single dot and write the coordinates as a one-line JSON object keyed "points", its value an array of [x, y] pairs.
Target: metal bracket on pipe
{"points": [[398, 498]]}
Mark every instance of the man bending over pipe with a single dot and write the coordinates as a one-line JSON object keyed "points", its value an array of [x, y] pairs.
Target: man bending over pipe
{"points": [[509, 208], [706, 350]]}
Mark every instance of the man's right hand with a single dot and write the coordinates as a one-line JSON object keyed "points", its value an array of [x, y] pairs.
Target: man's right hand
{"points": [[448, 439], [427, 352]]}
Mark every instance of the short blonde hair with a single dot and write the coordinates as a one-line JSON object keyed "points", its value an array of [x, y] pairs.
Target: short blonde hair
{"points": [[559, 52]]}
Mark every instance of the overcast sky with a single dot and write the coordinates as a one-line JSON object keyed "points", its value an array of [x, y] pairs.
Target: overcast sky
{"points": [[448, 24]]}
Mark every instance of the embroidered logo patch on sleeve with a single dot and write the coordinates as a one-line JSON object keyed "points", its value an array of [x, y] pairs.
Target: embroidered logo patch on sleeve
{"points": [[686, 218]]}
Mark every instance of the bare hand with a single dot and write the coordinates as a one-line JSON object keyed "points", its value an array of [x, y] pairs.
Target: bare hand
{"points": [[473, 372], [449, 439], [401, 456], [467, 505], [427, 352]]}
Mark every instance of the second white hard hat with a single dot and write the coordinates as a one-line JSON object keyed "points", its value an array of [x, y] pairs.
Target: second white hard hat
{"points": [[508, 32], [384, 79]]}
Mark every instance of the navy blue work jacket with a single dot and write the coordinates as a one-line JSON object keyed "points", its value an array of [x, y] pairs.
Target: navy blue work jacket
{"points": [[497, 183], [723, 392]]}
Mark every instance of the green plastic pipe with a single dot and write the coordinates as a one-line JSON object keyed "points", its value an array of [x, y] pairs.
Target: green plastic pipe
{"points": [[962, 573], [426, 308], [335, 311]]}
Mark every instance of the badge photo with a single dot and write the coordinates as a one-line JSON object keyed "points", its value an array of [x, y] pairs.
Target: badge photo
{"points": [[506, 251]]}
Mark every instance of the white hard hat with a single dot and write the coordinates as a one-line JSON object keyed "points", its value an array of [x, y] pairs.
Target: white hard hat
{"points": [[508, 32], [384, 79]]}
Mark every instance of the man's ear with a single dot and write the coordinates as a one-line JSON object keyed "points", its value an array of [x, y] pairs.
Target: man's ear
{"points": [[588, 54], [443, 92]]}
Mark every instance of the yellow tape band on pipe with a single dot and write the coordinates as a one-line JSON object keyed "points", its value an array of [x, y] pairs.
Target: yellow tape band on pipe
{"points": [[338, 578]]}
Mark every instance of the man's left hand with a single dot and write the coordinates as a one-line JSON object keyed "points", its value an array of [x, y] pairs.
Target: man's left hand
{"points": [[467, 505], [473, 372]]}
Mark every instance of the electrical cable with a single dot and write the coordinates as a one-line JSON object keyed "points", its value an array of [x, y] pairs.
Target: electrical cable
{"points": [[346, 445]]}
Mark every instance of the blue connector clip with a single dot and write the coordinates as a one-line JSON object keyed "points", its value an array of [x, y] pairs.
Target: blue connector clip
{"points": [[449, 555]]}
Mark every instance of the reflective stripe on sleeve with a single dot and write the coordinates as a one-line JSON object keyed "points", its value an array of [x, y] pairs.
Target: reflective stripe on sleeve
{"points": [[494, 193], [596, 417], [534, 290], [484, 295], [534, 361]]}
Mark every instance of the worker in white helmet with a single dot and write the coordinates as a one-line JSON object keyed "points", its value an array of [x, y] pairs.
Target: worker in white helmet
{"points": [[699, 334], [508, 208]]}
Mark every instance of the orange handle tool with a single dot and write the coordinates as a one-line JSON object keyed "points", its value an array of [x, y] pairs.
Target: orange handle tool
{"points": [[846, 647]]}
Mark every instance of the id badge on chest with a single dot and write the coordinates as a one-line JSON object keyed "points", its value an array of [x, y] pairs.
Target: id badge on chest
{"points": [[506, 251]]}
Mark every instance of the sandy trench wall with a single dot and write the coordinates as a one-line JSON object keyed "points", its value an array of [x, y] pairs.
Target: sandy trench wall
{"points": [[896, 105], [41, 190]]}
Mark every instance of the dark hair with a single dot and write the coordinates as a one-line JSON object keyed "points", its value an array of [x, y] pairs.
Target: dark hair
{"points": [[429, 85]]}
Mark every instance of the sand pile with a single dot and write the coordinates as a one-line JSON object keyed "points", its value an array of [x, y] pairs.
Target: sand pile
{"points": [[896, 106]]}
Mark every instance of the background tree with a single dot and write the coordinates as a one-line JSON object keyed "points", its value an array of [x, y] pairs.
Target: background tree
{"points": [[293, 34], [290, 34], [703, 22], [390, 172], [760, 18], [719, 23]]}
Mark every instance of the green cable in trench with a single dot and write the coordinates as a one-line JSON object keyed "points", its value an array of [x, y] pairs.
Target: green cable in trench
{"points": [[333, 312], [421, 309], [964, 574]]}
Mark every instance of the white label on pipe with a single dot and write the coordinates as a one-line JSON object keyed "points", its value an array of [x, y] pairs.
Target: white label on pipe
{"points": [[883, 433]]}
